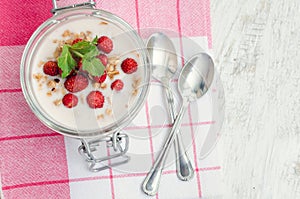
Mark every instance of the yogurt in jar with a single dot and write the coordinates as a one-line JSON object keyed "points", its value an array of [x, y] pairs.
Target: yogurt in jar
{"points": [[48, 91]]}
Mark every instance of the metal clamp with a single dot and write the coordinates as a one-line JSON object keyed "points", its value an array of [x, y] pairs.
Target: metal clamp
{"points": [[90, 3], [118, 141]]}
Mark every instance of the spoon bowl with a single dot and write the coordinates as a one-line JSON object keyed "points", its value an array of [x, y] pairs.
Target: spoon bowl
{"points": [[163, 57], [196, 77]]}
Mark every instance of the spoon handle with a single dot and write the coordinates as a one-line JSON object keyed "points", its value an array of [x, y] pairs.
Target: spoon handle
{"points": [[152, 180], [184, 167]]}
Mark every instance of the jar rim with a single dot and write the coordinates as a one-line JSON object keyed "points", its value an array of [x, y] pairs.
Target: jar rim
{"points": [[43, 116]]}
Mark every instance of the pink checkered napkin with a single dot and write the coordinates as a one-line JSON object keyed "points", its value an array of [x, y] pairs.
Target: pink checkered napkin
{"points": [[36, 162]]}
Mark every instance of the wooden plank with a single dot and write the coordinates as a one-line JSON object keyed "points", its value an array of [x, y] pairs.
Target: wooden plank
{"points": [[256, 45]]}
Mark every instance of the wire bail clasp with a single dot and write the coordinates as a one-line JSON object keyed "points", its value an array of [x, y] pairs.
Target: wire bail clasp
{"points": [[118, 141], [90, 3]]}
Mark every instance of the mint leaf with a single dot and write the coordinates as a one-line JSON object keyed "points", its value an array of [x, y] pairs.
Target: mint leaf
{"points": [[93, 66], [82, 47], [95, 40], [66, 62], [87, 51], [92, 53]]}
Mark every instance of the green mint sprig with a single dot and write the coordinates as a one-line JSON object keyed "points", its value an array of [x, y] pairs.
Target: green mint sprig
{"points": [[85, 50], [66, 62]]}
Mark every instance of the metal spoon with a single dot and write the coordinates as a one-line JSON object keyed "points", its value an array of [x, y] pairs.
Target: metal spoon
{"points": [[164, 60], [194, 81]]}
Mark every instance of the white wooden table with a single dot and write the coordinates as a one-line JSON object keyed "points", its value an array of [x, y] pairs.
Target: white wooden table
{"points": [[256, 46], [257, 50]]}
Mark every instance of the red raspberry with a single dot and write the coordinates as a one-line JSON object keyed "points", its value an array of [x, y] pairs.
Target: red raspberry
{"points": [[70, 100], [79, 64], [95, 99], [76, 83], [75, 41], [103, 59], [105, 44], [100, 79], [129, 66], [117, 85], [51, 68]]}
